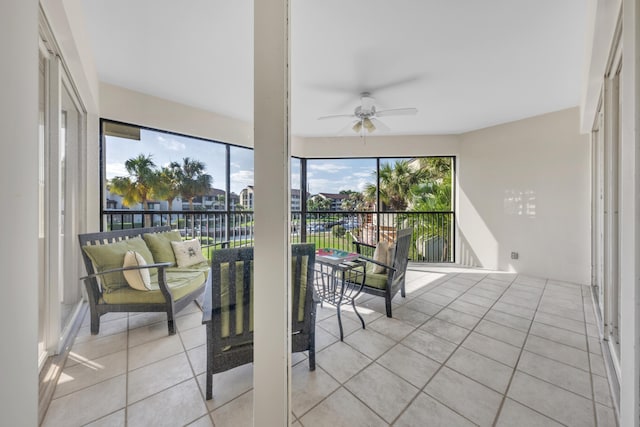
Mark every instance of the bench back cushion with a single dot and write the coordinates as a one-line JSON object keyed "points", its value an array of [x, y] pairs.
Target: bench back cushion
{"points": [[108, 256], [160, 245]]}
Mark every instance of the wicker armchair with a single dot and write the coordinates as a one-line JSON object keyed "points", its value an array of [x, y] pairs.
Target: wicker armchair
{"points": [[387, 284], [228, 310]]}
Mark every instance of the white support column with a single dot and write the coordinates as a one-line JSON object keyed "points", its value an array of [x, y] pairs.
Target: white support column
{"points": [[19, 220], [272, 326], [630, 217]]}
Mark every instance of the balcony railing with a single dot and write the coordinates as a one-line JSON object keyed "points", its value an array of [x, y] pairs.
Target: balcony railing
{"points": [[433, 232]]}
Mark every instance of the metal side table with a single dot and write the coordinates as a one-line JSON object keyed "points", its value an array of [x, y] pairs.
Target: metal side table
{"points": [[339, 277]]}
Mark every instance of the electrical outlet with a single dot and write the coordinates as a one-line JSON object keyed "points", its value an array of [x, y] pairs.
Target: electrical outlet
{"points": [[514, 255]]}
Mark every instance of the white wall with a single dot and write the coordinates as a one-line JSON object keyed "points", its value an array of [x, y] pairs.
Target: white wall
{"points": [[525, 187], [19, 228], [377, 146], [120, 104]]}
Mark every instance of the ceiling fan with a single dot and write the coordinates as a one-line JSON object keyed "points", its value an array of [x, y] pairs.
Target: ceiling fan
{"points": [[366, 115]]}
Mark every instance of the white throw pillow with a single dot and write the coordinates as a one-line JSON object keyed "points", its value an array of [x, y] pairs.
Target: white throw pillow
{"points": [[380, 255], [137, 279], [188, 253]]}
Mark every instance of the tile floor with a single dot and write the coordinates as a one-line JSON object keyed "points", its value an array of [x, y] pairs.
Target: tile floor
{"points": [[465, 347]]}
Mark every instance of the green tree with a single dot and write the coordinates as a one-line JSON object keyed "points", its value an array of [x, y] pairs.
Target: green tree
{"points": [[318, 203], [193, 181], [138, 186], [354, 201], [397, 183], [434, 193], [167, 185]]}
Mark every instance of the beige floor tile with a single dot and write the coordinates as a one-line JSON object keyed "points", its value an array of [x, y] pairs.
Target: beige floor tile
{"points": [[194, 337], [88, 404], [237, 413], [559, 335], [426, 411], [560, 322], [84, 351], [342, 409], [188, 321], [494, 349], [410, 316], [554, 402], [153, 378], [594, 345], [409, 364], [515, 414], [597, 365], [154, 351], [606, 416], [106, 328], [228, 385], [324, 339], [502, 333], [116, 419], [331, 325], [91, 372], [308, 388], [486, 293], [447, 292], [509, 320], [384, 392], [477, 300], [341, 361], [465, 396], [423, 305], [391, 328], [429, 345], [148, 333], [601, 390], [202, 422], [370, 342], [176, 406], [468, 308], [486, 371], [138, 320], [436, 299], [514, 310], [459, 318], [565, 376], [448, 331], [198, 359], [556, 351]]}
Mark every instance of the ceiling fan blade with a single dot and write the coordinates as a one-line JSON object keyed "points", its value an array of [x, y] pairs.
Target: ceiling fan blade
{"points": [[379, 125], [335, 116], [397, 112], [348, 128]]}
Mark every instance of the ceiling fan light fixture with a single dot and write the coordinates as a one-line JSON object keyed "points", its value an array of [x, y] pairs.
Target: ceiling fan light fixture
{"points": [[368, 125], [356, 127]]}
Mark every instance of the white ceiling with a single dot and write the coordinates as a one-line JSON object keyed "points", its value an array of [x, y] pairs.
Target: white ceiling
{"points": [[465, 64]]}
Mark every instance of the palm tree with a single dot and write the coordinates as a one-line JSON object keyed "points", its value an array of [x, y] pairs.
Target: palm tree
{"points": [[397, 183], [167, 185], [137, 187], [193, 181]]}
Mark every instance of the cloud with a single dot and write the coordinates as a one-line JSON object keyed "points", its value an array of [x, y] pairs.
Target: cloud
{"points": [[171, 144], [327, 167], [116, 169], [240, 180], [363, 174]]}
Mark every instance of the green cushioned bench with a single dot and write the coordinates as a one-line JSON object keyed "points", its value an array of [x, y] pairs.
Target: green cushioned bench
{"points": [[171, 288]]}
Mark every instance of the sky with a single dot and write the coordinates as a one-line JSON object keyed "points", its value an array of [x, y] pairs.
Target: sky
{"points": [[323, 175]]}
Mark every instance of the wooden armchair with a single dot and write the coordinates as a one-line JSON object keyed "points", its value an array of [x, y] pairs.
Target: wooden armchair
{"points": [[228, 309], [387, 283]]}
